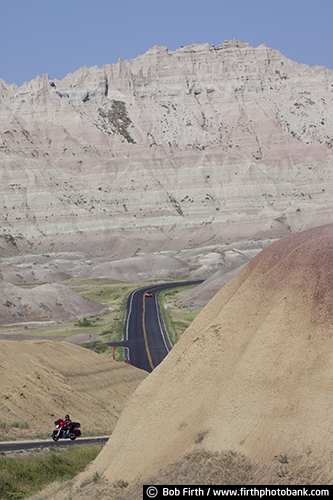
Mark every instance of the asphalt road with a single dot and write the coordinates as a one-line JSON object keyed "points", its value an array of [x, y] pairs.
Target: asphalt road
{"points": [[30, 445], [146, 341]]}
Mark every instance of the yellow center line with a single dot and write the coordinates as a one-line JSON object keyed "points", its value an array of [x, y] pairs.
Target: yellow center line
{"points": [[145, 332]]}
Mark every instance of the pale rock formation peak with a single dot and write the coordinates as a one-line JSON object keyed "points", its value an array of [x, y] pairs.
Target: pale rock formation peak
{"points": [[222, 111], [172, 150]]}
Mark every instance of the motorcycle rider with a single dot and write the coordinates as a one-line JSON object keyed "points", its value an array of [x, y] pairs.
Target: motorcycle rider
{"points": [[67, 425]]}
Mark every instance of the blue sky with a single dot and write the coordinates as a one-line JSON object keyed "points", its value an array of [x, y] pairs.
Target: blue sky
{"points": [[41, 36]]}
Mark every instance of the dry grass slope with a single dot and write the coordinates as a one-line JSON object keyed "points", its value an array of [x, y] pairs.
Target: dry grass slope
{"points": [[42, 380], [198, 468]]}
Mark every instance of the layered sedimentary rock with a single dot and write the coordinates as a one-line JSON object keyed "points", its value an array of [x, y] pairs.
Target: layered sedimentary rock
{"points": [[223, 142]]}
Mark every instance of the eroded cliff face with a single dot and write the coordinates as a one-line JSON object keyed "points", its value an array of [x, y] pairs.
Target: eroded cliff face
{"points": [[224, 142]]}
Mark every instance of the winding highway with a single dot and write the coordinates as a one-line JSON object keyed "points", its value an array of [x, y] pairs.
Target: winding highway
{"points": [[146, 341], [146, 344]]}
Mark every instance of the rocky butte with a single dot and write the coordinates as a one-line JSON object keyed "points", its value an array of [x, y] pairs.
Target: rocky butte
{"points": [[204, 145]]}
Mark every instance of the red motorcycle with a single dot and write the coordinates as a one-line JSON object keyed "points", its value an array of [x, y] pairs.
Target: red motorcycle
{"points": [[61, 430]]}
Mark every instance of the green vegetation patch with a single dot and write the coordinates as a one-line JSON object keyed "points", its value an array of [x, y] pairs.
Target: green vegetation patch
{"points": [[176, 318], [24, 476], [108, 324], [9, 238], [116, 120]]}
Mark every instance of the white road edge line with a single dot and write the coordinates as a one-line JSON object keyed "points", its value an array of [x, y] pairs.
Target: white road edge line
{"points": [[159, 322]]}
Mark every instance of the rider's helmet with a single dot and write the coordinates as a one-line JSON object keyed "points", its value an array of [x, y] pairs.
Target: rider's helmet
{"points": [[67, 417]]}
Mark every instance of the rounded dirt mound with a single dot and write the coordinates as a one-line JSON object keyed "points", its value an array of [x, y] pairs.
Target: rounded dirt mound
{"points": [[50, 302], [252, 373]]}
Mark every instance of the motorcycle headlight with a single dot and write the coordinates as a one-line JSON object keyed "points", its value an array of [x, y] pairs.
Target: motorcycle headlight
{"points": [[57, 426]]}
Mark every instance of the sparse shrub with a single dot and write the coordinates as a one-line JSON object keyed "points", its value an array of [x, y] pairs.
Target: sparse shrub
{"points": [[116, 120], [84, 483], [96, 477], [122, 484], [3, 425], [101, 347], [283, 458], [20, 424], [282, 472], [84, 322], [9, 238], [200, 436]]}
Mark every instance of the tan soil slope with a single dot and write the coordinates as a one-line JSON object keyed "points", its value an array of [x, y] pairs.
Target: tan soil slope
{"points": [[252, 374], [43, 380]]}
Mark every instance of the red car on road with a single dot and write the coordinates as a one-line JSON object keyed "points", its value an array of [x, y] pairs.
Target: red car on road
{"points": [[148, 294]]}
